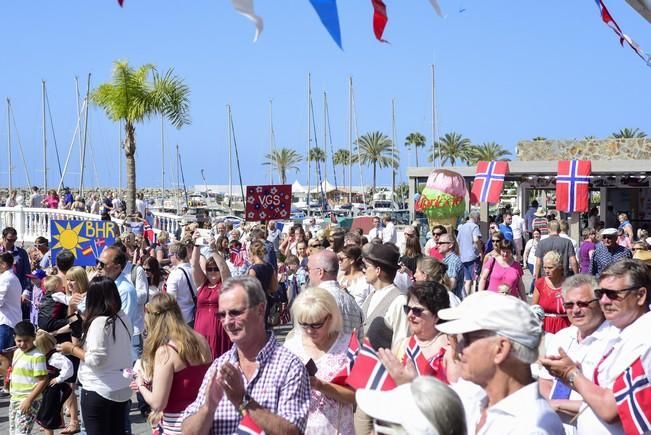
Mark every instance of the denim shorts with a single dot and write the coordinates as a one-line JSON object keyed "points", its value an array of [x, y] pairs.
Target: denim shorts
{"points": [[471, 269], [6, 337]]}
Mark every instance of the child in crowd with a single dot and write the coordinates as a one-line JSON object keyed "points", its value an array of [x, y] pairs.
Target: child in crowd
{"points": [[36, 294], [59, 369], [28, 380]]}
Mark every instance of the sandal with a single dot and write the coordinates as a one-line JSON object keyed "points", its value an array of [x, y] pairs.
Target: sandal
{"points": [[71, 429]]}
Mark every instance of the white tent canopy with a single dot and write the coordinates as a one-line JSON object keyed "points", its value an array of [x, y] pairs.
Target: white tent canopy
{"points": [[298, 188], [327, 187]]}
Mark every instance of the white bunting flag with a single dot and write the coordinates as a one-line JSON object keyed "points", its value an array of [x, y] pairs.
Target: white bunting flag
{"points": [[245, 7]]}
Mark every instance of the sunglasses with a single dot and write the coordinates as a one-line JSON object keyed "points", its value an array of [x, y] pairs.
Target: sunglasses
{"points": [[231, 313], [314, 326], [465, 340], [445, 243], [101, 264], [146, 269], [580, 304], [436, 234], [613, 295], [212, 269], [495, 240], [416, 311]]}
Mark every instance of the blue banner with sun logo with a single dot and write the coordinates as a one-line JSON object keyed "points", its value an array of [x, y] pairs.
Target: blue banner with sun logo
{"points": [[84, 239]]}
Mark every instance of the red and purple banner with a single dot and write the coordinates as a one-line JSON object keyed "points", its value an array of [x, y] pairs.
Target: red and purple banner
{"points": [[489, 182], [573, 186], [268, 202]]}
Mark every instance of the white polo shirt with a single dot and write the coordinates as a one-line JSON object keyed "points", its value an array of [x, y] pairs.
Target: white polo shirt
{"points": [[523, 412]]}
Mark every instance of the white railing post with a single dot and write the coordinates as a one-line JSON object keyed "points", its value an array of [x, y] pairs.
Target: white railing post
{"points": [[19, 222]]}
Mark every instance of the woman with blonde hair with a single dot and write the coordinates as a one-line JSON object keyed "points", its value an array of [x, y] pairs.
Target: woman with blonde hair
{"points": [[173, 363], [547, 293], [318, 338], [430, 269]]}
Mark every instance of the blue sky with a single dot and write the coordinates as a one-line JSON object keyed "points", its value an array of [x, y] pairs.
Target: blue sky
{"points": [[506, 71]]}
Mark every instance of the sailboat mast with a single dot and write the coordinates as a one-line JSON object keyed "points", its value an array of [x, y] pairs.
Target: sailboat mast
{"points": [[162, 166], [350, 140], [178, 181], [309, 135], [9, 142], [434, 135], [325, 140], [120, 159], [44, 138], [230, 158], [271, 140], [83, 149], [393, 149]]}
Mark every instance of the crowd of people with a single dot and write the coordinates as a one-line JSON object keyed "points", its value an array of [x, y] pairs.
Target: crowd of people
{"points": [[389, 335]]}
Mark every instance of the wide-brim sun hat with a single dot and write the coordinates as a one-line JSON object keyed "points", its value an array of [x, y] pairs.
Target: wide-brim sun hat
{"points": [[541, 212]]}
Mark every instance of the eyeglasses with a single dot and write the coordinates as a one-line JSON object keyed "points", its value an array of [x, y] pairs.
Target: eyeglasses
{"points": [[445, 243], [613, 295], [314, 326], [101, 264], [416, 311], [495, 240], [580, 304], [212, 269], [231, 313], [436, 234], [146, 269]]}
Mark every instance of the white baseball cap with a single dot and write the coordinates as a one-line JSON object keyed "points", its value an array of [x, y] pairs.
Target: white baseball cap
{"points": [[382, 406], [486, 310], [609, 232]]}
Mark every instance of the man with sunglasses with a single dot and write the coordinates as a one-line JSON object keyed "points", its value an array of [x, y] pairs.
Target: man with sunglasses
{"points": [[497, 339], [584, 342], [322, 268], [617, 393], [258, 376], [607, 252]]}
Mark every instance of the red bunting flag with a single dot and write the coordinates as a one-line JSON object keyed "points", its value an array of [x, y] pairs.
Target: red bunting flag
{"points": [[368, 371], [379, 18], [121, 3], [573, 186], [610, 22], [632, 392], [489, 182], [351, 353]]}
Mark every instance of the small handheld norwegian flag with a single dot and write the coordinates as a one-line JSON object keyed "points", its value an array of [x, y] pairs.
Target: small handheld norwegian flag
{"points": [[632, 392], [248, 427], [369, 372], [351, 353]]}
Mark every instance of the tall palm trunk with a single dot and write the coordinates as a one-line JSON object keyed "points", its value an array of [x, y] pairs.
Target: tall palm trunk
{"points": [[130, 153], [416, 155], [374, 175], [283, 177]]}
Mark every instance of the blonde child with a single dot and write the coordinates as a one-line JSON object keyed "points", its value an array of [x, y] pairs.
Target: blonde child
{"points": [[28, 380], [59, 369]]}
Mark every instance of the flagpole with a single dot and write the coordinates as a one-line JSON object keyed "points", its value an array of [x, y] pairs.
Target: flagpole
{"points": [[309, 136], [434, 132]]}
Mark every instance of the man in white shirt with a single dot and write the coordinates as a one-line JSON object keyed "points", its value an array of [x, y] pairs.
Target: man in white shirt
{"points": [[323, 267], [376, 231], [141, 205], [180, 283], [389, 233], [518, 226], [497, 339], [584, 342], [10, 291]]}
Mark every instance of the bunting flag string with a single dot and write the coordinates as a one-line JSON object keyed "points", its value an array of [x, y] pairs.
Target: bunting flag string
{"points": [[327, 12], [380, 19], [245, 8], [610, 22], [437, 8], [121, 3]]}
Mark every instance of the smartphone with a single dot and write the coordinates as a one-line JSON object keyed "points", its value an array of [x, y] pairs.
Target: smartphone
{"points": [[201, 241], [311, 367]]}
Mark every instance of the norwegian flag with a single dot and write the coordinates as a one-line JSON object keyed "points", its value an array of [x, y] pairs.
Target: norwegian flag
{"points": [[248, 427], [379, 18], [623, 37], [351, 353], [573, 186], [425, 367], [489, 181], [149, 233], [368, 371], [632, 392]]}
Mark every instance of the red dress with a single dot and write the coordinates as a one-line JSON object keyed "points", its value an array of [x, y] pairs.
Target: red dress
{"points": [[206, 321], [551, 300]]}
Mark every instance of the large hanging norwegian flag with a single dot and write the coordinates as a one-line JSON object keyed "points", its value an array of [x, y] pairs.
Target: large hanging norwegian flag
{"points": [[369, 372], [489, 182], [573, 186], [632, 393]]}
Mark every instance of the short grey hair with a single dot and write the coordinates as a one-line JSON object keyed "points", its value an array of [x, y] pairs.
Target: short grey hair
{"points": [[251, 286], [474, 214], [440, 405], [579, 280]]}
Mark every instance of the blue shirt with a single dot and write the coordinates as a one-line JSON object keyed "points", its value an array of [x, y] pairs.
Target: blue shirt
{"points": [[128, 296], [455, 271], [603, 257], [468, 234], [506, 231]]}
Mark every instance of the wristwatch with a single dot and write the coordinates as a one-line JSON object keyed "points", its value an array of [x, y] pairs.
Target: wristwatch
{"points": [[246, 400], [572, 377]]}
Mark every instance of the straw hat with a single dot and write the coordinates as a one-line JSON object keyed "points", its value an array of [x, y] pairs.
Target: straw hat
{"points": [[541, 212]]}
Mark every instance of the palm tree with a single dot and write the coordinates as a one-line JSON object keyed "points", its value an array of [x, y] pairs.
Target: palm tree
{"points": [[131, 98], [451, 146], [487, 152], [341, 157], [375, 148], [629, 133], [283, 159], [417, 140]]}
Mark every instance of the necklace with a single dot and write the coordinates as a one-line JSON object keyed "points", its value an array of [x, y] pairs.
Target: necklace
{"points": [[423, 344]]}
